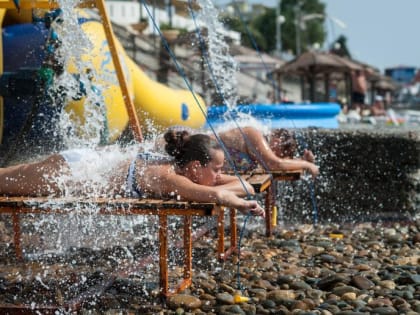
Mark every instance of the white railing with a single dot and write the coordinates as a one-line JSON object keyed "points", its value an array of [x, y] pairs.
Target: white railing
{"points": [[125, 13]]}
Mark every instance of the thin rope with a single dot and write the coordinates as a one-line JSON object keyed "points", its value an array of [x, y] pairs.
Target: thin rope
{"points": [[238, 264], [311, 182], [314, 204], [222, 96], [188, 84], [299, 135]]}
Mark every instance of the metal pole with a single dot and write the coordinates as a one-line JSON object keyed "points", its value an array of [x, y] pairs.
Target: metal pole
{"points": [[140, 11], [154, 29], [129, 105], [298, 21], [278, 29], [169, 8]]}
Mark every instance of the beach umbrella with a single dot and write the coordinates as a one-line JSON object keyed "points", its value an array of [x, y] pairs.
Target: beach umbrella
{"points": [[314, 62], [312, 65]]}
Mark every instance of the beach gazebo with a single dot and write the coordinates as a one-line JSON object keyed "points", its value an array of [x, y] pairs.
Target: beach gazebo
{"points": [[313, 67], [383, 86]]}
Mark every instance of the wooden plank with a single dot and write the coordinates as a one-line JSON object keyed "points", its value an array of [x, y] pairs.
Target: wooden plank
{"points": [[280, 174], [163, 254], [24, 309], [269, 204], [187, 247], [260, 182], [103, 206], [120, 202], [221, 235], [29, 4], [113, 211], [16, 236]]}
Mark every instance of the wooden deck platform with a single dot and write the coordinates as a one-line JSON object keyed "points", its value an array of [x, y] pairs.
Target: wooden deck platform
{"points": [[262, 182], [16, 206]]}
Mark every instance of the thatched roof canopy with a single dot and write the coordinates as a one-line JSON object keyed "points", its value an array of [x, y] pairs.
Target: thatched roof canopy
{"points": [[313, 62]]}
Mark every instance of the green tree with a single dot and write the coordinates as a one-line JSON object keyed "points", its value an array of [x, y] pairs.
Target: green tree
{"points": [[249, 33], [265, 24], [262, 28], [311, 27]]}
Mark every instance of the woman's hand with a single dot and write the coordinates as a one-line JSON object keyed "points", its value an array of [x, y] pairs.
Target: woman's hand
{"points": [[230, 199], [313, 169], [254, 207], [308, 156]]}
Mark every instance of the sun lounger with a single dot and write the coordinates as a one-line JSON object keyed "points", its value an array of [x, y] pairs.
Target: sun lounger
{"points": [[17, 206], [271, 191], [261, 181]]}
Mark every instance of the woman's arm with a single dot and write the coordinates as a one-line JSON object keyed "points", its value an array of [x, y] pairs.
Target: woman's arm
{"points": [[293, 165], [163, 181], [262, 150], [232, 183]]}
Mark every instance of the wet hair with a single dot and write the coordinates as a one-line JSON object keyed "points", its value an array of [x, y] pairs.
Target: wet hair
{"points": [[287, 141], [186, 148]]}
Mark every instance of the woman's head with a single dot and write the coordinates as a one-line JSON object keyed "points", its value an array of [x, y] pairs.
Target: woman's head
{"points": [[199, 157], [283, 143]]}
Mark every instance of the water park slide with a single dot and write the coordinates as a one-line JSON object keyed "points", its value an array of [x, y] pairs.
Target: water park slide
{"points": [[154, 101], [24, 47]]}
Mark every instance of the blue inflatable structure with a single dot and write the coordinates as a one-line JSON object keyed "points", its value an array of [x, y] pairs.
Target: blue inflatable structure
{"points": [[283, 115]]}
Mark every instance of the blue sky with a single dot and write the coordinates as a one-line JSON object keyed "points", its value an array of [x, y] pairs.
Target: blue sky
{"points": [[383, 33]]}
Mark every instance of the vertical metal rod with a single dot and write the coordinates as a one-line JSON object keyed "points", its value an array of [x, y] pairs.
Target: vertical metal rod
{"points": [[132, 115], [17, 236], [278, 28], [297, 21], [163, 254]]}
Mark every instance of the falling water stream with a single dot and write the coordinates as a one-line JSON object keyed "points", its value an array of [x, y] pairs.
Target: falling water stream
{"points": [[78, 86], [60, 233], [223, 65], [90, 239]]}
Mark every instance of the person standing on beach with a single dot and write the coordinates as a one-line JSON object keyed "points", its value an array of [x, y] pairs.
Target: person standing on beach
{"points": [[359, 88]]}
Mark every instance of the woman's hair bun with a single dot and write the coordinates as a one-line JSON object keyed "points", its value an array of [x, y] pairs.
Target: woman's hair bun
{"points": [[175, 141]]}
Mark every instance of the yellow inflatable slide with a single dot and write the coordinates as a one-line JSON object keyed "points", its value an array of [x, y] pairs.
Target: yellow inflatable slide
{"points": [[155, 103]]}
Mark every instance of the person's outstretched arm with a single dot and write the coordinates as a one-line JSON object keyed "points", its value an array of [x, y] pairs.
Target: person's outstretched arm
{"points": [[262, 150], [238, 186], [161, 181]]}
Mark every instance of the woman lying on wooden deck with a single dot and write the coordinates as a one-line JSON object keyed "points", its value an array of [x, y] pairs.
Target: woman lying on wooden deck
{"points": [[248, 148], [191, 171]]}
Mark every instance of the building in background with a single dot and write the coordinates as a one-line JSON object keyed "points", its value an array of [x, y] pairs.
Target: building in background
{"points": [[402, 74]]}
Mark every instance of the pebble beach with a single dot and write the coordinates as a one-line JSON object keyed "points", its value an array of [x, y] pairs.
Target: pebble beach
{"points": [[360, 268]]}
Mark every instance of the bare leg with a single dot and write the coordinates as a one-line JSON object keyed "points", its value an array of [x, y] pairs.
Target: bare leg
{"points": [[33, 179]]}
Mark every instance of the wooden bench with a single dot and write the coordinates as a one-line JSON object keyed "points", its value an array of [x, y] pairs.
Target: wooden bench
{"points": [[16, 206], [261, 181]]}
